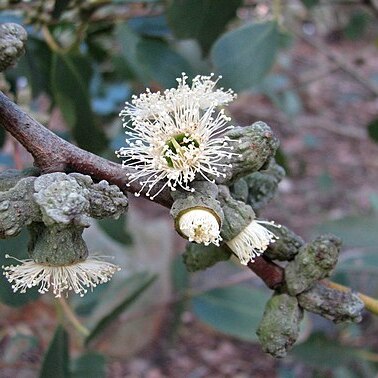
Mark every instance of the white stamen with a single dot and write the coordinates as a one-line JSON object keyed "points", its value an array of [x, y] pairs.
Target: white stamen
{"points": [[200, 226], [77, 277], [252, 241], [176, 135]]}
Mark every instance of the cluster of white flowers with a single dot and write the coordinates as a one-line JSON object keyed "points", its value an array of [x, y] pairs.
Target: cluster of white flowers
{"points": [[176, 135], [78, 277]]}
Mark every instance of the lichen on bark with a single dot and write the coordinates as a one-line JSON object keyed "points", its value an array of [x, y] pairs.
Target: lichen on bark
{"points": [[279, 326], [332, 304], [314, 261]]}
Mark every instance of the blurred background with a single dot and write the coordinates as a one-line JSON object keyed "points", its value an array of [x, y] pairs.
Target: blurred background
{"points": [[309, 69]]}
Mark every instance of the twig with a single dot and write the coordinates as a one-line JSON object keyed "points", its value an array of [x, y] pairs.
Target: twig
{"points": [[71, 316]]}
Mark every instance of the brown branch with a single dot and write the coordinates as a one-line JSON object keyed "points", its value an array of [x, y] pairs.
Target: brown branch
{"points": [[271, 273], [53, 154]]}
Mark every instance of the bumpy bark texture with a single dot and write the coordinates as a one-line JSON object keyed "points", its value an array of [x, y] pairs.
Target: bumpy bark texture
{"points": [[56, 208], [286, 247], [253, 145], [262, 185], [199, 257], [12, 44], [332, 304], [313, 262], [57, 244], [237, 214], [279, 327], [17, 207]]}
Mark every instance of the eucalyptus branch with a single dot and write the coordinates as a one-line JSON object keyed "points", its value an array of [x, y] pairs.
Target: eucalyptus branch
{"points": [[53, 154]]}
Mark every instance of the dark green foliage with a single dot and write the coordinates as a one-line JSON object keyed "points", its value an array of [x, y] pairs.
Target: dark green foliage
{"points": [[372, 128], [234, 310], [91, 365], [245, 55], [56, 360], [203, 20], [70, 75]]}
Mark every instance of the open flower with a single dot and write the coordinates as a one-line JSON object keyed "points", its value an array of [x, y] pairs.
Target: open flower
{"points": [[79, 276], [252, 241], [200, 226], [176, 136]]}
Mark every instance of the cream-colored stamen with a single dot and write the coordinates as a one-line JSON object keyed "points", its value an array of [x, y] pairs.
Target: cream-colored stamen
{"points": [[200, 226], [78, 277], [252, 241]]}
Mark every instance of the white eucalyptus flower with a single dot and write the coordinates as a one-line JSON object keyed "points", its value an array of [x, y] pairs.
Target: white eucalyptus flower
{"points": [[202, 92], [78, 277], [200, 226], [176, 136], [252, 241]]}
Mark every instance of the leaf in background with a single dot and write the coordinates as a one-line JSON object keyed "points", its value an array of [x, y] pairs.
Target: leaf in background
{"points": [[355, 231], [162, 62], [2, 136], [155, 26], [116, 229], [180, 284], [70, 77], [16, 247], [324, 353], [144, 281], [203, 20], [56, 360], [89, 365], [35, 65], [357, 25], [234, 310], [59, 7], [310, 3], [372, 128], [128, 41], [363, 263], [245, 55]]}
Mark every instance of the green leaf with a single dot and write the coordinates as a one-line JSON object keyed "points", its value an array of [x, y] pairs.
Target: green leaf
{"points": [[89, 365], [245, 55], [163, 64], [321, 352], [357, 25], [180, 283], [70, 76], [16, 247], [310, 3], [203, 20], [372, 128], [365, 262], [56, 360], [2, 136], [128, 41], [145, 281], [151, 59], [355, 231], [35, 65], [235, 310], [116, 229]]}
